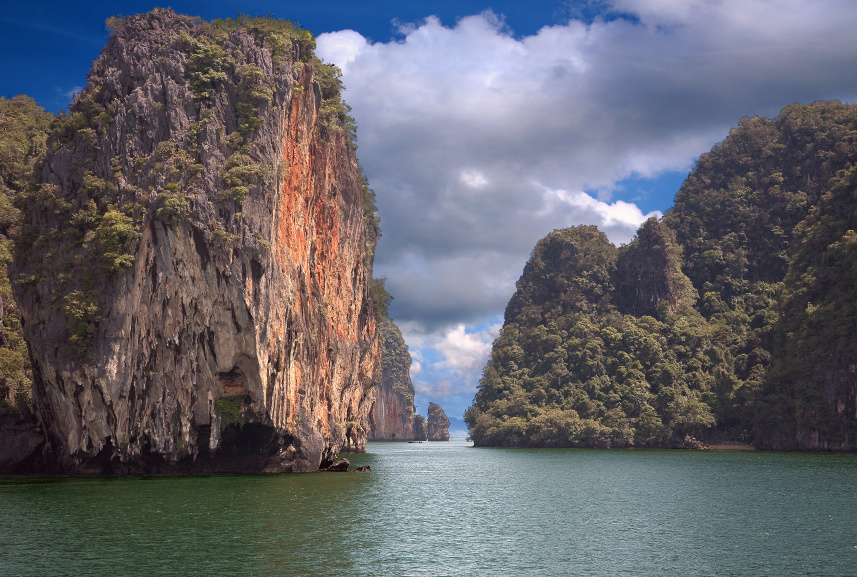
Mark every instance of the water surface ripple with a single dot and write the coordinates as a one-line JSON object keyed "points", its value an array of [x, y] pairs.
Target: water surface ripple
{"points": [[449, 509]]}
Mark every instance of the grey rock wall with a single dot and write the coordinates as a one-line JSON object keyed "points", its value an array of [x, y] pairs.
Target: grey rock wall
{"points": [[233, 330], [393, 412]]}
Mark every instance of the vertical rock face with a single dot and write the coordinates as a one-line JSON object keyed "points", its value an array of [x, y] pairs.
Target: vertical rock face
{"points": [[438, 424], [194, 271], [20, 437], [393, 413], [420, 428]]}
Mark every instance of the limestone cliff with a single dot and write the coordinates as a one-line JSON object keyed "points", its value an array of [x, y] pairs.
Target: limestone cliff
{"points": [[393, 413], [20, 439], [420, 428], [194, 271], [438, 423], [732, 319]]}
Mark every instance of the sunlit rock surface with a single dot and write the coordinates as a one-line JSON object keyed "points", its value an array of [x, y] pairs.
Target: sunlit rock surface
{"points": [[234, 328]]}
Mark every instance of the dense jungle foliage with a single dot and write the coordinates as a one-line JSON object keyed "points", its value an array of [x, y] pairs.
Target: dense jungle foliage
{"points": [[24, 127], [732, 319]]}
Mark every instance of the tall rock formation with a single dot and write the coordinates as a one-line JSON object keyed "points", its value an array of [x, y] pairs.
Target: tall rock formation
{"points": [[393, 413], [438, 423], [194, 270], [733, 318], [420, 428]]}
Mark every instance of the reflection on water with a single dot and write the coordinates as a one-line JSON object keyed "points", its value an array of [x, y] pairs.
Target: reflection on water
{"points": [[449, 509]]}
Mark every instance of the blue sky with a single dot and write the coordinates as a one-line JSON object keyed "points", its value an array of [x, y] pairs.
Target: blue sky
{"points": [[485, 125], [54, 42]]}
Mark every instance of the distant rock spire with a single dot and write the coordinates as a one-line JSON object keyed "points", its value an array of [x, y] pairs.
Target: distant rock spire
{"points": [[438, 423]]}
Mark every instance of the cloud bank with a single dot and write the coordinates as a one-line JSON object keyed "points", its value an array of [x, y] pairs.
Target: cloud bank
{"points": [[478, 142]]}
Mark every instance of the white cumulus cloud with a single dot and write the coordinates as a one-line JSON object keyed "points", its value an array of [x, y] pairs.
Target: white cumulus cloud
{"points": [[478, 142], [465, 351]]}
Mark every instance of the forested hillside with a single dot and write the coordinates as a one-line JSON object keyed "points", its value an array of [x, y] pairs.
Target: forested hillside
{"points": [[24, 127], [730, 319]]}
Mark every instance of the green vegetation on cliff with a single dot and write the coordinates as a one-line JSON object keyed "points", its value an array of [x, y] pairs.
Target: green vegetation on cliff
{"points": [[23, 131], [83, 232], [731, 319], [810, 394], [394, 413], [570, 369], [396, 361]]}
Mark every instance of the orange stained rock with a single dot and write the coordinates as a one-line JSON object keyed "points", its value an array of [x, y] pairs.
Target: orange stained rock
{"points": [[309, 223], [294, 386], [291, 234]]}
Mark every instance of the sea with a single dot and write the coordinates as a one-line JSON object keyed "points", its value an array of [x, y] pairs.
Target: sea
{"points": [[449, 509]]}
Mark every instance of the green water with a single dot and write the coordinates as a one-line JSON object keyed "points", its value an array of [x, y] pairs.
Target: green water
{"points": [[449, 509]]}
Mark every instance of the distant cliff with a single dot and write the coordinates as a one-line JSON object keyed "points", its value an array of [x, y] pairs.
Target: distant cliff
{"points": [[438, 423], [420, 428], [194, 269], [732, 318], [393, 413]]}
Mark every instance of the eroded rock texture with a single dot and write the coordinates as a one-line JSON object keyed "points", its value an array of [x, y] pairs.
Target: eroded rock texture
{"points": [[420, 428], [195, 285], [20, 439], [393, 413], [438, 423]]}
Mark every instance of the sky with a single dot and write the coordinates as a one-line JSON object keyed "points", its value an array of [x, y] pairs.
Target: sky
{"points": [[484, 125]]}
